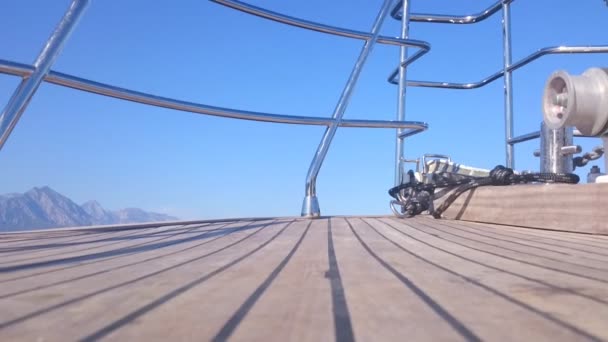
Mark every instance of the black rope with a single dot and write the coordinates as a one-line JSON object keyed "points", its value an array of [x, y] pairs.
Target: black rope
{"points": [[499, 176]]}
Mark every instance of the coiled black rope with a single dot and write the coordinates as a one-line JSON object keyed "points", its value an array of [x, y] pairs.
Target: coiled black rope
{"points": [[499, 176]]}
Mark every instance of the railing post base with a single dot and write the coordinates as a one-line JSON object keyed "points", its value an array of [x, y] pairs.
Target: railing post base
{"points": [[310, 207]]}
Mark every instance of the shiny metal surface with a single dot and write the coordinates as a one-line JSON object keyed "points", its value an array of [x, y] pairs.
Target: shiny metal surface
{"points": [[23, 94], [74, 82], [571, 149], [507, 70], [552, 143], [423, 46], [397, 13], [310, 25], [401, 92], [330, 131], [524, 137], [411, 132], [310, 206], [533, 135], [428, 156], [40, 71], [431, 156], [553, 50], [405, 64], [577, 100], [566, 150], [508, 83]]}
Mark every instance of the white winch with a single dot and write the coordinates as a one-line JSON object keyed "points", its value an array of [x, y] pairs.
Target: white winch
{"points": [[579, 101]]}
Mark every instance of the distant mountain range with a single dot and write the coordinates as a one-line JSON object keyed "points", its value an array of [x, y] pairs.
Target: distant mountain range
{"points": [[46, 208]]}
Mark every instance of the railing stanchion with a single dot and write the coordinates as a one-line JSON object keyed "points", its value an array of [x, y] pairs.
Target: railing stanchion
{"points": [[508, 83], [310, 207], [401, 93], [28, 86]]}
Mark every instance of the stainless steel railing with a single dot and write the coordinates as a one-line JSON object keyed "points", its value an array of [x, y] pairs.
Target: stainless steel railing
{"points": [[506, 72], [310, 206], [33, 75], [40, 70], [397, 13], [41, 67], [70, 81], [553, 50]]}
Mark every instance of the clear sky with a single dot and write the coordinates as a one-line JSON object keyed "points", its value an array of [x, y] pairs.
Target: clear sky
{"points": [[192, 166]]}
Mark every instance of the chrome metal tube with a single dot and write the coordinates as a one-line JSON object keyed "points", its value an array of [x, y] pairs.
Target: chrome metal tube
{"points": [[338, 31], [508, 84], [552, 142], [74, 82], [310, 207], [524, 137], [409, 133], [311, 25], [553, 50], [404, 64], [23, 94], [397, 13], [401, 92]]}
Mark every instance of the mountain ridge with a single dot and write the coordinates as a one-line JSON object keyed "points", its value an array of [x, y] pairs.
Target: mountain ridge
{"points": [[43, 207]]}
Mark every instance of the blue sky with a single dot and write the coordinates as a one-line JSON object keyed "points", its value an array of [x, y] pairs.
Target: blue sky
{"points": [[193, 166]]}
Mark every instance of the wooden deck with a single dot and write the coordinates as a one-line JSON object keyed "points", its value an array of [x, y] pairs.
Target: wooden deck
{"points": [[577, 208], [356, 278]]}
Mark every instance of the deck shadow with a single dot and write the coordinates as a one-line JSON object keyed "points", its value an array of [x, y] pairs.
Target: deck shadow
{"points": [[51, 308], [121, 251], [169, 296]]}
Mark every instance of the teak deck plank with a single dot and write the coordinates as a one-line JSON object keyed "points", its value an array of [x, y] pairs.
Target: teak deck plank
{"points": [[577, 208], [342, 278]]}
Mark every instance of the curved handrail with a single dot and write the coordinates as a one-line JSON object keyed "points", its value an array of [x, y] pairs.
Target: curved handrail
{"points": [[451, 19], [338, 31], [530, 58], [74, 82], [314, 26]]}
